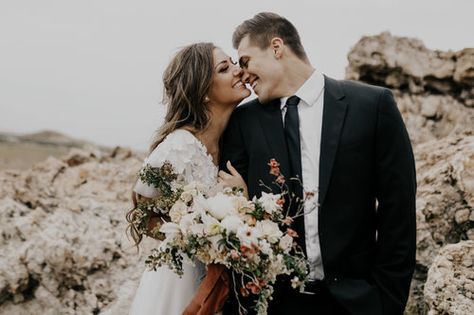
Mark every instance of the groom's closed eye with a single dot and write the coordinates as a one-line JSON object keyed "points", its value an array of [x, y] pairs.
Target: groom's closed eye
{"points": [[243, 62]]}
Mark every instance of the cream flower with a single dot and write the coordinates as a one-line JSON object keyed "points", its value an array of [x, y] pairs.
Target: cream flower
{"points": [[177, 211], [232, 223], [265, 247], [286, 242], [220, 206], [186, 222], [248, 235], [171, 230], [269, 230], [197, 229], [211, 225], [269, 202], [242, 204]]}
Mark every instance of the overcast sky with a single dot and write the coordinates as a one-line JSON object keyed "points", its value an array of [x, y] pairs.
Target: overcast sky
{"points": [[92, 68]]}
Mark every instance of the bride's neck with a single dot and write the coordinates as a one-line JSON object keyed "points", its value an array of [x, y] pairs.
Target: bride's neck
{"points": [[211, 135]]}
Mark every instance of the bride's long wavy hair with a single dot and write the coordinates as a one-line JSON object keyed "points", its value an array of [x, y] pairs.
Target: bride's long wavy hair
{"points": [[186, 82]]}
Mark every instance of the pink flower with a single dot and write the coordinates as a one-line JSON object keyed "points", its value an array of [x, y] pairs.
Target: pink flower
{"points": [[274, 167], [234, 254], [291, 232]]}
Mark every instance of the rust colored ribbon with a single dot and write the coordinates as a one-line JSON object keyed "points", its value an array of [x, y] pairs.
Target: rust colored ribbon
{"points": [[212, 292]]}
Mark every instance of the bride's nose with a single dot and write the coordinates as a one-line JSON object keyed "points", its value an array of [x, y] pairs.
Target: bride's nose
{"points": [[237, 72]]}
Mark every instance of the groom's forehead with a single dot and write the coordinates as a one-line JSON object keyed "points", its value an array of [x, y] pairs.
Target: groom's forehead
{"points": [[245, 46]]}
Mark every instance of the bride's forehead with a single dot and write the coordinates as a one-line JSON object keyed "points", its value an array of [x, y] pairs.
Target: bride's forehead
{"points": [[219, 54]]}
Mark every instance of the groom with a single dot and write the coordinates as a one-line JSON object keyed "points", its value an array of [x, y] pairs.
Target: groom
{"points": [[347, 142]]}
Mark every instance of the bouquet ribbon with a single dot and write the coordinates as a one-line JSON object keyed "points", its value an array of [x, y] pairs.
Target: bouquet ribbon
{"points": [[212, 292]]}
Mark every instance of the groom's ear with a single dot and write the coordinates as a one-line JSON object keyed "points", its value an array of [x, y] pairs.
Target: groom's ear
{"points": [[276, 44]]}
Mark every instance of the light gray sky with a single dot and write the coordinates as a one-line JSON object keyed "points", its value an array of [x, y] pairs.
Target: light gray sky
{"points": [[92, 68]]}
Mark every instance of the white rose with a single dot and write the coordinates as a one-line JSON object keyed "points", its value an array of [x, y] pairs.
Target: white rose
{"points": [[286, 242], [170, 229], [269, 230], [265, 247], [269, 202], [242, 204], [220, 206], [211, 225], [186, 222], [197, 229], [231, 223], [199, 205], [177, 211]]}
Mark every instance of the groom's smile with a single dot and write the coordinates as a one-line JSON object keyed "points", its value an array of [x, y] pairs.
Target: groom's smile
{"points": [[263, 68]]}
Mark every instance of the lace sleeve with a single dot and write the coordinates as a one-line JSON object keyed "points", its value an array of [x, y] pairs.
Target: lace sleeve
{"points": [[179, 148]]}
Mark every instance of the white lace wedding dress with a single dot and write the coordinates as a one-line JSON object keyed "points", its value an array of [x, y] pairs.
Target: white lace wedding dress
{"points": [[162, 292]]}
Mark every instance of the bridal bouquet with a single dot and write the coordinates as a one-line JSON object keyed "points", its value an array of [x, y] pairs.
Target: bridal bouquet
{"points": [[253, 238]]}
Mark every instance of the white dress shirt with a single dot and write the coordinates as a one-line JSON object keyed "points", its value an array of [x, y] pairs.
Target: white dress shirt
{"points": [[310, 113]]}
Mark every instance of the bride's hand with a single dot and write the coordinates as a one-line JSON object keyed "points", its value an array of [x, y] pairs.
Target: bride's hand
{"points": [[233, 179]]}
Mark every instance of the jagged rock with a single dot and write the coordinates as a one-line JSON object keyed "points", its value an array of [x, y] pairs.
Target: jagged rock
{"points": [[63, 247], [449, 288], [434, 89], [432, 117], [465, 66], [445, 196], [445, 175]]}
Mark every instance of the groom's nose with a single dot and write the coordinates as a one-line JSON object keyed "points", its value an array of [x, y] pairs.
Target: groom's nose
{"points": [[245, 76]]}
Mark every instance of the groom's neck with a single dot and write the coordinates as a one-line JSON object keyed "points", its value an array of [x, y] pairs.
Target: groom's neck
{"points": [[297, 72]]}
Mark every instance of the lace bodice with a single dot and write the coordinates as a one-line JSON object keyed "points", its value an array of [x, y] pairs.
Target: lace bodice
{"points": [[189, 158]]}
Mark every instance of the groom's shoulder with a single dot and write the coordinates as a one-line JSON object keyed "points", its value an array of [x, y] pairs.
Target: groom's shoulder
{"points": [[357, 87], [248, 108], [360, 93]]}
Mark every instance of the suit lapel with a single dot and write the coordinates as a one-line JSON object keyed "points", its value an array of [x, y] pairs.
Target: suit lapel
{"points": [[334, 113], [272, 125]]}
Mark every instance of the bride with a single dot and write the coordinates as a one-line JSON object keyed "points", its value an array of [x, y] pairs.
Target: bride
{"points": [[202, 86]]}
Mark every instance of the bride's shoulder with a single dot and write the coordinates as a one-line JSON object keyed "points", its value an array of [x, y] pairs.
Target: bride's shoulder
{"points": [[178, 147]]}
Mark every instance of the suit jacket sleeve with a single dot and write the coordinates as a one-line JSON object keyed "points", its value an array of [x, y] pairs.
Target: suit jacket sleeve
{"points": [[233, 147], [396, 218]]}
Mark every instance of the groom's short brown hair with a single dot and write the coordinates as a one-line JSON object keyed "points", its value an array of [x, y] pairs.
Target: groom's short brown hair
{"points": [[266, 25]]}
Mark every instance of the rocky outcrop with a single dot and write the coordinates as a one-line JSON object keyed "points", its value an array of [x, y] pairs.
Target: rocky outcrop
{"points": [[434, 89], [63, 247], [449, 288], [435, 94], [445, 198]]}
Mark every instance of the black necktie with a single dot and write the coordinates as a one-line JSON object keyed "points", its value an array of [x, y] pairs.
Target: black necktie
{"points": [[292, 135]]}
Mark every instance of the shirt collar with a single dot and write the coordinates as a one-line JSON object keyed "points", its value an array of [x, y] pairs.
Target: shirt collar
{"points": [[311, 89]]}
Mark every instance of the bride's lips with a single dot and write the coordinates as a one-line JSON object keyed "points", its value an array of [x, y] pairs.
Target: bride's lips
{"points": [[238, 84]]}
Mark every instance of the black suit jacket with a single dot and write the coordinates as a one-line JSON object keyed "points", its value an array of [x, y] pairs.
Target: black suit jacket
{"points": [[367, 189]]}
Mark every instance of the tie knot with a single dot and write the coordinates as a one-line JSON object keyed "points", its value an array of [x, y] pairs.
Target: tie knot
{"points": [[293, 101]]}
